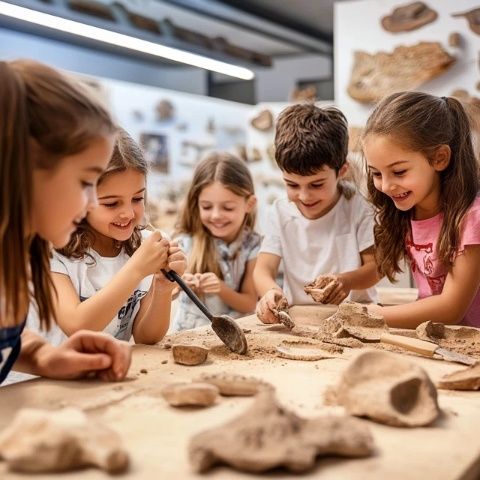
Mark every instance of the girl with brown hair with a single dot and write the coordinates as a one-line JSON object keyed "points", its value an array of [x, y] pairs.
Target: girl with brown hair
{"points": [[108, 276], [216, 230], [423, 180], [55, 140]]}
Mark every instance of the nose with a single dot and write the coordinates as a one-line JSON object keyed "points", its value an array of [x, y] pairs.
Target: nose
{"points": [[216, 213], [92, 200], [304, 195], [387, 184], [127, 213]]}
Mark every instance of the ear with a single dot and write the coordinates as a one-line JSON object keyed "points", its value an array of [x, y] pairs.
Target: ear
{"points": [[251, 203], [441, 158], [343, 170]]}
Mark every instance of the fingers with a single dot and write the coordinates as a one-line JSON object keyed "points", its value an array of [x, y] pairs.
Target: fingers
{"points": [[117, 353]]}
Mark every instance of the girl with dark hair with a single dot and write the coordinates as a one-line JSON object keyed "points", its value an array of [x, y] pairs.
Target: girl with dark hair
{"points": [[423, 180]]}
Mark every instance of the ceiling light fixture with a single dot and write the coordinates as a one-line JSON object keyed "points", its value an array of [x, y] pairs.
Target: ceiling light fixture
{"points": [[121, 40]]}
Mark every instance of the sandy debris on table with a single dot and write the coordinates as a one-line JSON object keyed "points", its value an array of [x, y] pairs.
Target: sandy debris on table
{"points": [[55, 441], [459, 339], [386, 388], [268, 435]]}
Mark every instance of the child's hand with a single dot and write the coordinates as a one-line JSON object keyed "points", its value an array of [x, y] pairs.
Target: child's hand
{"points": [[151, 256], [209, 283], [176, 261], [84, 353], [340, 292], [192, 280], [268, 303]]}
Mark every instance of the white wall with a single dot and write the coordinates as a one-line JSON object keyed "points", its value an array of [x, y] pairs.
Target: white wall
{"points": [[357, 27], [92, 62]]}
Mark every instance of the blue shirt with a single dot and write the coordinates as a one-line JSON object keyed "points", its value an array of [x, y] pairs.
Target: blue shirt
{"points": [[10, 346]]}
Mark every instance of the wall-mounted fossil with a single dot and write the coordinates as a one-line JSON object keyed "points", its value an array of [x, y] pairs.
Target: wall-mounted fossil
{"points": [[406, 68], [473, 19], [263, 121], [409, 17], [455, 40]]}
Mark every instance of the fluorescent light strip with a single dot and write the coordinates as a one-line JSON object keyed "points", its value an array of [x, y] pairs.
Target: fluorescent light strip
{"points": [[125, 41]]}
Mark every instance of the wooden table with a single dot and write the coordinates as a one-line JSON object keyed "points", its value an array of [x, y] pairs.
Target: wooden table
{"points": [[156, 435]]}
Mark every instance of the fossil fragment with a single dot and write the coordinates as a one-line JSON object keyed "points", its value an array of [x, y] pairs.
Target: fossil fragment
{"points": [[409, 17], [195, 394], [164, 110], [308, 93], [231, 384], [268, 436], [281, 311], [56, 441], [189, 354], [406, 68], [388, 389], [305, 351], [465, 379], [473, 19], [321, 287], [263, 121], [354, 320], [455, 40]]}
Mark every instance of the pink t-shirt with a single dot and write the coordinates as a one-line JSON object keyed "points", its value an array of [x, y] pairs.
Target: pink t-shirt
{"points": [[428, 272]]}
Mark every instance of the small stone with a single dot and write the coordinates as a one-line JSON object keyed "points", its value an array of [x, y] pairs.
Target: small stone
{"points": [[143, 370], [164, 362], [190, 394], [189, 354]]}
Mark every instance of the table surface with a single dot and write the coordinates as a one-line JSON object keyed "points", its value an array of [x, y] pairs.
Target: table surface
{"points": [[156, 435]]}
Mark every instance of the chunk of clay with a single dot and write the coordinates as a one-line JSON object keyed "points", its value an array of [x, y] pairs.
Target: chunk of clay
{"points": [[321, 287], [189, 354], [190, 394], [388, 389], [464, 379], [56, 441], [231, 384], [267, 436]]}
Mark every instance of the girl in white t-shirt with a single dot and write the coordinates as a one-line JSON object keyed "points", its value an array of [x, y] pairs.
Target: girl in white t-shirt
{"points": [[103, 276], [216, 231]]}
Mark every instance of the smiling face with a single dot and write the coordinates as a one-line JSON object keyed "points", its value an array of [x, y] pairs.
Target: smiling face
{"points": [[222, 212], [121, 198], [406, 176], [314, 195], [63, 195]]}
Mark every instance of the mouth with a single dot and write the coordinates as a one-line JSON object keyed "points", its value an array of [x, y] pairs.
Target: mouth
{"points": [[401, 196], [219, 225], [122, 225], [310, 205]]}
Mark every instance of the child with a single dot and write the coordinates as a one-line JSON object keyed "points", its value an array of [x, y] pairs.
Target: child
{"points": [[54, 142], [216, 231], [103, 275], [324, 227], [423, 181]]}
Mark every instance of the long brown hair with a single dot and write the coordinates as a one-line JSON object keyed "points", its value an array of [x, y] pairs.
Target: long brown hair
{"points": [[423, 122], [233, 174], [45, 116], [127, 155]]}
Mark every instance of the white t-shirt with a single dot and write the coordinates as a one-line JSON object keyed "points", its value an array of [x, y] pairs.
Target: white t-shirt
{"points": [[88, 275], [329, 244]]}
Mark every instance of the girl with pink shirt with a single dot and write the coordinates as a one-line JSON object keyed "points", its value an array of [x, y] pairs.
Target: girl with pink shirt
{"points": [[423, 179]]}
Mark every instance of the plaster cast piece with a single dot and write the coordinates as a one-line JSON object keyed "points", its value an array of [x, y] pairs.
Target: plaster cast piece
{"points": [[409, 17], [263, 121], [56, 441], [465, 379], [354, 320], [231, 384], [268, 436], [295, 350], [473, 19], [455, 40], [406, 68], [189, 354], [388, 389], [190, 394], [321, 287]]}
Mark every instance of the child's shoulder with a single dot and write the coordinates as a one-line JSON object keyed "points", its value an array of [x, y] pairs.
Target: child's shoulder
{"points": [[472, 216]]}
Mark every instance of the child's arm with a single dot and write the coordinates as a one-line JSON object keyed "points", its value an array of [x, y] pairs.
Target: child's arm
{"points": [[264, 276], [153, 318], [97, 312], [359, 279], [83, 353], [450, 306]]}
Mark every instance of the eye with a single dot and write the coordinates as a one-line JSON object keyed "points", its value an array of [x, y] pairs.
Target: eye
{"points": [[205, 207], [87, 184], [229, 209], [400, 173], [317, 186], [376, 174], [291, 185], [110, 205], [138, 199]]}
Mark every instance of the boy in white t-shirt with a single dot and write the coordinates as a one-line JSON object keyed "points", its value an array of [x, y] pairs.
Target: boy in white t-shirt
{"points": [[325, 226]]}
